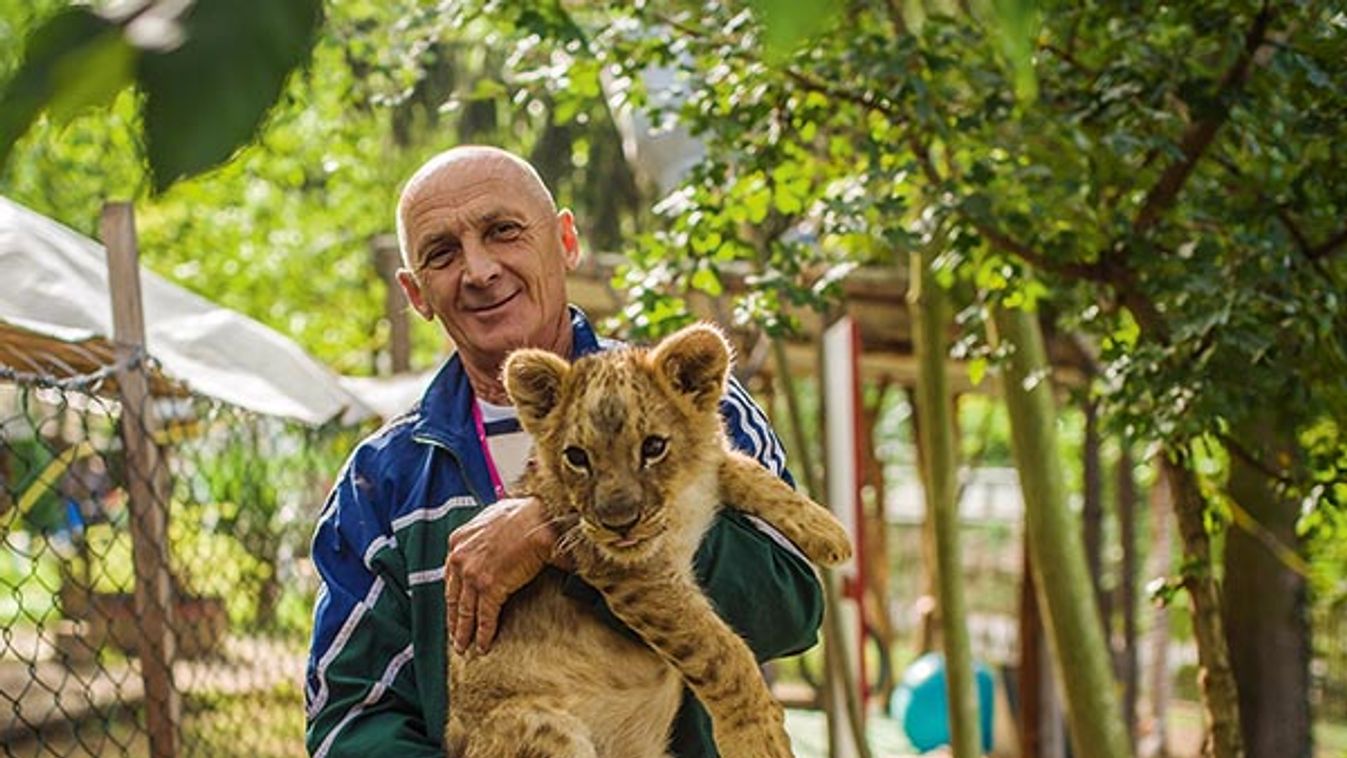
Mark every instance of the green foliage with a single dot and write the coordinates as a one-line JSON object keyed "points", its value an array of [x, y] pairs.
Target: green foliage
{"points": [[239, 52], [1172, 191], [76, 58], [282, 230]]}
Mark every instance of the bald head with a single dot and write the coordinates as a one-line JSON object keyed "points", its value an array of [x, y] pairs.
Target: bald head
{"points": [[469, 165]]}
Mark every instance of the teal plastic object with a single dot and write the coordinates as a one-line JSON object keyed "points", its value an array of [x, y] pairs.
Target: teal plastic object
{"points": [[921, 706]]}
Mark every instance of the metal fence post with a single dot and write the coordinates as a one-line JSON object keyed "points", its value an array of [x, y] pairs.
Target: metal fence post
{"points": [[147, 484]]}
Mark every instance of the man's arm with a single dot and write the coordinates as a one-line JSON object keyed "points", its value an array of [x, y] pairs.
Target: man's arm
{"points": [[360, 689], [759, 582]]}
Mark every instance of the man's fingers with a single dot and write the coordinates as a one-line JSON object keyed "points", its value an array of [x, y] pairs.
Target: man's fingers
{"points": [[488, 610], [452, 587], [465, 624]]}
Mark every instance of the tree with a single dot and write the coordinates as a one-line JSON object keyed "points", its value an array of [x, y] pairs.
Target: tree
{"points": [[930, 317], [281, 229], [1169, 178]]}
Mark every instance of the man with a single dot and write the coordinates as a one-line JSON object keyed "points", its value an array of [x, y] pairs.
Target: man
{"points": [[486, 253]]}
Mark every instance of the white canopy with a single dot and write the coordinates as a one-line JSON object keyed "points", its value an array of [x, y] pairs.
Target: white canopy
{"points": [[390, 396], [54, 286]]}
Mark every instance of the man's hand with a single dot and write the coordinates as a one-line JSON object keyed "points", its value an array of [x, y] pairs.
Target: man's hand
{"points": [[491, 557]]}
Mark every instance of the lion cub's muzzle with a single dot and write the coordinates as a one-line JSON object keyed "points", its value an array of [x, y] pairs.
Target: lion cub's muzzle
{"points": [[618, 515]]}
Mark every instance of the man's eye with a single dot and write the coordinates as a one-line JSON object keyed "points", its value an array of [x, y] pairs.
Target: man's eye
{"points": [[653, 448], [576, 457], [506, 231], [439, 257]]}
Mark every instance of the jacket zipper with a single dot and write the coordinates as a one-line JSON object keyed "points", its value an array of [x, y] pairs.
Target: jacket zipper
{"points": [[462, 472]]}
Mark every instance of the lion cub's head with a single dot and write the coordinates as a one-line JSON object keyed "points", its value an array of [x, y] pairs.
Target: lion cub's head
{"points": [[624, 434]]}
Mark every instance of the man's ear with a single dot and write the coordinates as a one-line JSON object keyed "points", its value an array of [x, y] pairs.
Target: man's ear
{"points": [[412, 289], [570, 239], [533, 381], [696, 361]]}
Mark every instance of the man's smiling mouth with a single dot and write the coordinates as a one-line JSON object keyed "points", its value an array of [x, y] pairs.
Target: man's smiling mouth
{"points": [[496, 305]]}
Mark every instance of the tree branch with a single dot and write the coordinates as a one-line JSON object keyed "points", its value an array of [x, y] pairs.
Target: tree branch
{"points": [[1088, 271], [1242, 453], [806, 81], [1068, 57], [863, 99], [1311, 253], [1292, 228], [1329, 246], [1201, 132]]}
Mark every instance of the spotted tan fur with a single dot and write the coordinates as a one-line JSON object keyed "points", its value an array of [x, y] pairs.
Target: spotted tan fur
{"points": [[560, 682]]}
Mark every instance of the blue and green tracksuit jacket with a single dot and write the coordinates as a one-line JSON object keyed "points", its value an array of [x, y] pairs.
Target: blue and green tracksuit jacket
{"points": [[375, 684]]}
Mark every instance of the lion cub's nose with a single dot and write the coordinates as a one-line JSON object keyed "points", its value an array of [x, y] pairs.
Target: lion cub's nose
{"points": [[618, 517]]}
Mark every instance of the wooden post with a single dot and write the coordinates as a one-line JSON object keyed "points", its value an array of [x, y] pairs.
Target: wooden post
{"points": [[147, 485], [387, 260]]}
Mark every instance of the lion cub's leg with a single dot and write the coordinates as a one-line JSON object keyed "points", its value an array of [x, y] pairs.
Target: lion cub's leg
{"points": [[529, 728], [670, 613], [747, 486]]}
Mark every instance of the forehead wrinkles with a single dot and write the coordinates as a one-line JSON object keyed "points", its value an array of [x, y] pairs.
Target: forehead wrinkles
{"points": [[439, 197]]}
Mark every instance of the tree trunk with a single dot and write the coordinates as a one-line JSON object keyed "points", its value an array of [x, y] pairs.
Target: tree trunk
{"points": [[1092, 514], [930, 317], [1061, 577], [929, 623], [1156, 742], [1266, 627], [837, 662], [1127, 586], [1040, 716], [1220, 696], [876, 536]]}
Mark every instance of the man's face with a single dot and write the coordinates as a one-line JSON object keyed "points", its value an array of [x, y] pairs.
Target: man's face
{"points": [[488, 257]]}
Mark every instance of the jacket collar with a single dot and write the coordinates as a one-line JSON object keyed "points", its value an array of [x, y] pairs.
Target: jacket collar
{"points": [[446, 408]]}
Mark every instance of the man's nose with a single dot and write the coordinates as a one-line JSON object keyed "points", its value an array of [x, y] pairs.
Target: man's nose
{"points": [[480, 267]]}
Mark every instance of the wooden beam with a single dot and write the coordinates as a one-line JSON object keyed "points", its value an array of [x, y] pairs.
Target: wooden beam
{"points": [[874, 296]]}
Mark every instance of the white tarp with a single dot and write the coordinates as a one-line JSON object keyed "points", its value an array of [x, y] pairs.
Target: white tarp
{"points": [[390, 396], [53, 281]]}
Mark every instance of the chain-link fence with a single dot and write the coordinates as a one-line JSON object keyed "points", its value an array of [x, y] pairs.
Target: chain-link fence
{"points": [[86, 580]]}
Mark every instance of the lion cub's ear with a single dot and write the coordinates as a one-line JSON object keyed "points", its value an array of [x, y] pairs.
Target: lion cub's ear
{"points": [[533, 381], [696, 361]]}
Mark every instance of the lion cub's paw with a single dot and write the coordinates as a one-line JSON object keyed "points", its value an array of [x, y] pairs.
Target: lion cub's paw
{"points": [[821, 537]]}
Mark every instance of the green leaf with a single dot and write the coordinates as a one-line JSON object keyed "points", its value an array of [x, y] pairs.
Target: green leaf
{"points": [[91, 76], [1017, 28], [977, 369], [757, 203], [787, 23], [75, 59], [488, 89], [206, 99], [707, 281]]}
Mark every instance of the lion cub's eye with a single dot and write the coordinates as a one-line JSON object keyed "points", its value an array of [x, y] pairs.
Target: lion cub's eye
{"points": [[653, 448], [576, 457]]}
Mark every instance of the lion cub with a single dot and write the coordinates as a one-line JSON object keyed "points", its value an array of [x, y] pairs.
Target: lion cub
{"points": [[632, 463]]}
